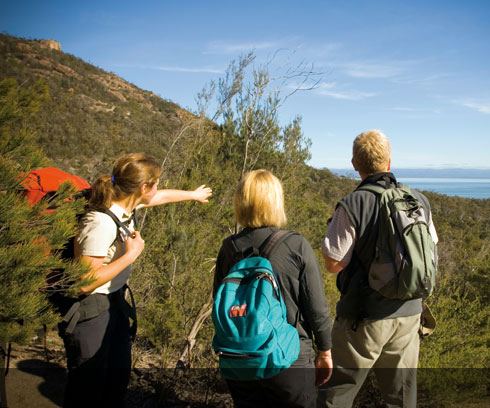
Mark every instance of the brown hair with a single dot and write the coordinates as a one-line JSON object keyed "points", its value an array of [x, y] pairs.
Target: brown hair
{"points": [[371, 152], [259, 200], [130, 172]]}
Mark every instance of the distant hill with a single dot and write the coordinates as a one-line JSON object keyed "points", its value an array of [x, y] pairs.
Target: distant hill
{"points": [[92, 115], [427, 173]]}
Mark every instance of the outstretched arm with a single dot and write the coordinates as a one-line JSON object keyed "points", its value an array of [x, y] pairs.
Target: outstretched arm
{"points": [[201, 194]]}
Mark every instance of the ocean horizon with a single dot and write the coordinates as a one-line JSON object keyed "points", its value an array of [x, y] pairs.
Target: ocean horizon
{"points": [[461, 187], [474, 183]]}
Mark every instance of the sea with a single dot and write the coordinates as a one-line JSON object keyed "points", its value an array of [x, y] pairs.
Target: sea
{"points": [[461, 187], [461, 182]]}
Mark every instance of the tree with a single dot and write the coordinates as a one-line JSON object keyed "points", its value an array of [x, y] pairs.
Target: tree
{"points": [[246, 104], [30, 235]]}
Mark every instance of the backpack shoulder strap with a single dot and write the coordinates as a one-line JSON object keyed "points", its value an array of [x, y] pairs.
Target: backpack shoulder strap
{"points": [[273, 242], [265, 250], [117, 221], [231, 251], [373, 185], [373, 188]]}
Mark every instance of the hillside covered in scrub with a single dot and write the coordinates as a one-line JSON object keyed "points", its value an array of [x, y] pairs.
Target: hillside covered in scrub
{"points": [[87, 117]]}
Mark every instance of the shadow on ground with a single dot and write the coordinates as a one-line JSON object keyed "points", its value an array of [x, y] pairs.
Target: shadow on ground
{"points": [[35, 383]]}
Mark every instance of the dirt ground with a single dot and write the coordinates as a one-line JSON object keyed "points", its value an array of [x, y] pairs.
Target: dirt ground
{"points": [[37, 378]]}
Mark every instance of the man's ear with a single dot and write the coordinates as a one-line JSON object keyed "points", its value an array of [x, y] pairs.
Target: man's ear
{"points": [[389, 165], [353, 164]]}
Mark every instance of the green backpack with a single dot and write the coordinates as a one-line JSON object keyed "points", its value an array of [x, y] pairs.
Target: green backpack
{"points": [[405, 262]]}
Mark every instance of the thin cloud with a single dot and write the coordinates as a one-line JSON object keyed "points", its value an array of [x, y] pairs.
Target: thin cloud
{"points": [[192, 70], [234, 48], [348, 95], [482, 107], [373, 70], [403, 109], [208, 70], [428, 80], [325, 50], [330, 89]]}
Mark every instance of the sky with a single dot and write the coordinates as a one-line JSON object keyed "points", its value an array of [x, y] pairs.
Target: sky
{"points": [[418, 70]]}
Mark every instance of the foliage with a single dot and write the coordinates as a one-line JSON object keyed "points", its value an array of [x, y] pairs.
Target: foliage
{"points": [[92, 117], [99, 113], [29, 235]]}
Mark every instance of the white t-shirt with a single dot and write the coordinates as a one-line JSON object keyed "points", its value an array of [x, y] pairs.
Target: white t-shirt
{"points": [[97, 237], [339, 241]]}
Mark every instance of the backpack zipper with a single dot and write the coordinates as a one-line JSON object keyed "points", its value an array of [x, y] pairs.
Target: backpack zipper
{"points": [[236, 356]]}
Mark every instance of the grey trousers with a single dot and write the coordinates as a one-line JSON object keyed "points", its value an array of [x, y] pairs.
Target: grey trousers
{"points": [[389, 346]]}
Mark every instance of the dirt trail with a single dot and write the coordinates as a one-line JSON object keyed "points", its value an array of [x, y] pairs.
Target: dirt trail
{"points": [[32, 381], [36, 379]]}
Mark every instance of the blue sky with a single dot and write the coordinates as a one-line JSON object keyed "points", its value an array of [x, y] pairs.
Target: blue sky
{"points": [[417, 70]]}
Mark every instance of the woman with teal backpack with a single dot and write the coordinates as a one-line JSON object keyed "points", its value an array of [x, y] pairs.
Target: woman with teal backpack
{"points": [[97, 332], [259, 208]]}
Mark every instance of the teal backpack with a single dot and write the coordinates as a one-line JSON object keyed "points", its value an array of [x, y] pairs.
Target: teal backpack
{"points": [[252, 336], [405, 262]]}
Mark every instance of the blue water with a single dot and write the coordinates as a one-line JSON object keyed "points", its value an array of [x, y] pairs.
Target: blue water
{"points": [[462, 187]]}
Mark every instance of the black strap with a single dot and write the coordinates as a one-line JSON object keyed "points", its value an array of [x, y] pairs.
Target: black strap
{"points": [[130, 310], [265, 250], [273, 242], [389, 181], [94, 304], [6, 356], [119, 223]]}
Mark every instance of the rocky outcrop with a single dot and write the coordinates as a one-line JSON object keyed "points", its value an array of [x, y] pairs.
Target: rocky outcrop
{"points": [[67, 71], [51, 44]]}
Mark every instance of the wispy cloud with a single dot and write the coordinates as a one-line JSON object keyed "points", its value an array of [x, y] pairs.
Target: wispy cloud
{"points": [[415, 113], [403, 109], [209, 70], [194, 70], [479, 106], [368, 70], [331, 89], [324, 50], [222, 47], [388, 69], [425, 80]]}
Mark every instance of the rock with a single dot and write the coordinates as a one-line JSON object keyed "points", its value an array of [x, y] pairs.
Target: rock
{"points": [[51, 44], [67, 71], [23, 47]]}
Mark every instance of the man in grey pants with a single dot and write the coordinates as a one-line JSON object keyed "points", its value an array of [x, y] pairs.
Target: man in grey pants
{"points": [[370, 331]]}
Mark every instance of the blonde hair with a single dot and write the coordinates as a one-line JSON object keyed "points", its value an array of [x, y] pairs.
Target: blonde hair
{"points": [[371, 152], [259, 200], [130, 172]]}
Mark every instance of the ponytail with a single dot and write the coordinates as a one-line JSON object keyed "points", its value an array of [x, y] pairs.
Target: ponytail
{"points": [[130, 172], [102, 192]]}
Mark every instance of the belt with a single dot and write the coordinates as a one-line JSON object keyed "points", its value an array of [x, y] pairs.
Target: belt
{"points": [[93, 305]]}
